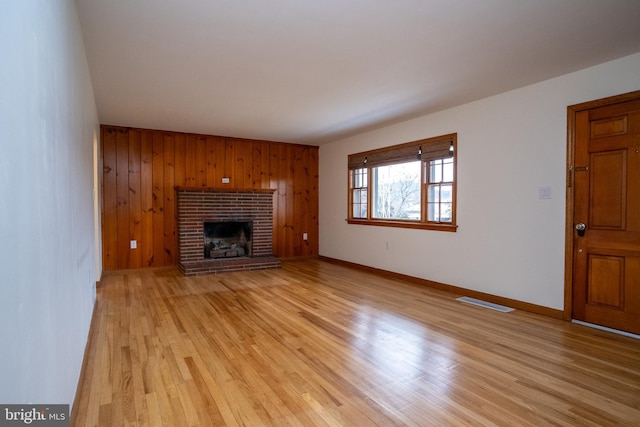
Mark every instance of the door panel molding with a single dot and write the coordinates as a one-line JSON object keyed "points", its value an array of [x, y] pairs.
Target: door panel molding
{"points": [[608, 169], [606, 282], [609, 127]]}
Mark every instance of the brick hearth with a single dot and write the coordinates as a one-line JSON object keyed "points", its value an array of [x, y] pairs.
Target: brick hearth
{"points": [[197, 206]]}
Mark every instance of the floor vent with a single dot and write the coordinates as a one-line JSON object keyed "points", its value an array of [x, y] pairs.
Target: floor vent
{"points": [[486, 304]]}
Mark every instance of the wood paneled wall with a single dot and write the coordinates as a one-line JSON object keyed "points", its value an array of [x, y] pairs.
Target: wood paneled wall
{"points": [[141, 167]]}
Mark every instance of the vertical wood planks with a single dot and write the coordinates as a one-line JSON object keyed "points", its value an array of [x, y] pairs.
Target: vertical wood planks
{"points": [[109, 200], [244, 158], [264, 164], [229, 163], [180, 160], [201, 161], [280, 214], [145, 245], [273, 184], [256, 165], [211, 161], [122, 190], [313, 204], [141, 168], [169, 200], [289, 165], [135, 197], [298, 185], [238, 164], [219, 157], [158, 199], [190, 164]]}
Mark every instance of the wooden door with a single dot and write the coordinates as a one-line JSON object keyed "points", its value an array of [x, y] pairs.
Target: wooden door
{"points": [[606, 253]]}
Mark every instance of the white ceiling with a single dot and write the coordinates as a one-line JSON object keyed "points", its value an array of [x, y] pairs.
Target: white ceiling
{"points": [[314, 71]]}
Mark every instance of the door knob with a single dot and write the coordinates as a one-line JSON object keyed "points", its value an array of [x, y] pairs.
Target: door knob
{"points": [[581, 227]]}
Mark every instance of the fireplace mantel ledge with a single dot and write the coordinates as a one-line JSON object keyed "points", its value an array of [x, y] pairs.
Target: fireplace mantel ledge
{"points": [[225, 189]]}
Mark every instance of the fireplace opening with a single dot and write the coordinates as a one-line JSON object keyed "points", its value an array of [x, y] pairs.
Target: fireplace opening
{"points": [[228, 239]]}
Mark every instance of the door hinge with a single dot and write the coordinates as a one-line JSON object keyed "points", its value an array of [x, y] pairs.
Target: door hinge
{"points": [[571, 171], [569, 176]]}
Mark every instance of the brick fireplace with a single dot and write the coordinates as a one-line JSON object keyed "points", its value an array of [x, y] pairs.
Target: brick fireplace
{"points": [[197, 206]]}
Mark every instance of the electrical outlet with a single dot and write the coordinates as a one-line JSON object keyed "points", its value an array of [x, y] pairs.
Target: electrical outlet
{"points": [[133, 244], [305, 236], [226, 180]]}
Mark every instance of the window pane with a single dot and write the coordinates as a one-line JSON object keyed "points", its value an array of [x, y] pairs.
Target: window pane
{"points": [[445, 212], [359, 178], [447, 173], [433, 212], [435, 171], [433, 193], [396, 191], [446, 192], [439, 202], [433, 202], [359, 208]]}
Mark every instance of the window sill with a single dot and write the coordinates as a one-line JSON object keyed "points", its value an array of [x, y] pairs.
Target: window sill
{"points": [[406, 224]]}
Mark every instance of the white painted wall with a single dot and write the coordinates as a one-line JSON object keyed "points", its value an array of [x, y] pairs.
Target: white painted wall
{"points": [[509, 243], [48, 254]]}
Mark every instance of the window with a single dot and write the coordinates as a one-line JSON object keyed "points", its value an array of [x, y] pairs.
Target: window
{"points": [[359, 193], [410, 185], [440, 190]]}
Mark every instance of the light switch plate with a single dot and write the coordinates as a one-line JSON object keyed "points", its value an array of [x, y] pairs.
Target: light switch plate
{"points": [[544, 192]]}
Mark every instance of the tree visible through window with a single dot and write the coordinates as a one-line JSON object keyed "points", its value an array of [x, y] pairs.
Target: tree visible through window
{"points": [[396, 190], [408, 185]]}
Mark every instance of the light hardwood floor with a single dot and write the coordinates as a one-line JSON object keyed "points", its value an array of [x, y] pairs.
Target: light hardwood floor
{"points": [[317, 344]]}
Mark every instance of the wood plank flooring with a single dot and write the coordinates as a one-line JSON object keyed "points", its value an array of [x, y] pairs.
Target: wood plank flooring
{"points": [[318, 344]]}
